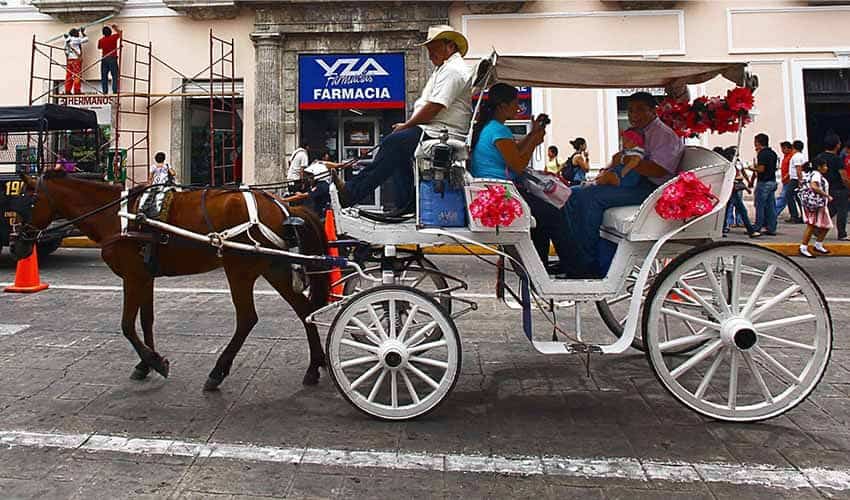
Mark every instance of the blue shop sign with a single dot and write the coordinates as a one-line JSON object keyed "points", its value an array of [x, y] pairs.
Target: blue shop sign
{"points": [[351, 81]]}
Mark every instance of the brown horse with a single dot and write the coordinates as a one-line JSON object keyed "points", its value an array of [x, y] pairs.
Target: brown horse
{"points": [[56, 195]]}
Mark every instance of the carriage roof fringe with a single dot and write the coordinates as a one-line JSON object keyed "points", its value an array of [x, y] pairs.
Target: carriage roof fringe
{"points": [[596, 73]]}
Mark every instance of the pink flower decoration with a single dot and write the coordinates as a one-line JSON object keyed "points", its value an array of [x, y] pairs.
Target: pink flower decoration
{"points": [[495, 206], [685, 198]]}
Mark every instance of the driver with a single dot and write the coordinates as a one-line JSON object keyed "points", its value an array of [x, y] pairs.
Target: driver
{"points": [[444, 104]]}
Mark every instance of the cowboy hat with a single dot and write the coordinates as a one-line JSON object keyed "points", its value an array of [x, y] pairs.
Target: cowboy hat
{"points": [[445, 32], [317, 169]]}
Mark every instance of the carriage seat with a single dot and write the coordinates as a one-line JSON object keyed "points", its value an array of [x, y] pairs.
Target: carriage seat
{"points": [[618, 222]]}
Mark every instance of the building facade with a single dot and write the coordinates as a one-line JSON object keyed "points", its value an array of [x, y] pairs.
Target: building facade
{"points": [[335, 76]]}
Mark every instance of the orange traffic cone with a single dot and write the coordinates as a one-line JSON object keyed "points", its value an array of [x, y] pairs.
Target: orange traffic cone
{"points": [[26, 275], [337, 290]]}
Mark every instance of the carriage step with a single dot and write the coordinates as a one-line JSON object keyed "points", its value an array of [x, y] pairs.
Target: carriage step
{"points": [[557, 347]]}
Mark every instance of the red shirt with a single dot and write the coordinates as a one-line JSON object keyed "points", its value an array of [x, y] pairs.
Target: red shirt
{"points": [[785, 165], [108, 45]]}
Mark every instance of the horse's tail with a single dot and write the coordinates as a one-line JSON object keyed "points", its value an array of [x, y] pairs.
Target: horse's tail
{"points": [[314, 242]]}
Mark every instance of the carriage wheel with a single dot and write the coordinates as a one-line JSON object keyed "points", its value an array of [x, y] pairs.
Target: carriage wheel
{"points": [[417, 276], [615, 310], [386, 364], [763, 329]]}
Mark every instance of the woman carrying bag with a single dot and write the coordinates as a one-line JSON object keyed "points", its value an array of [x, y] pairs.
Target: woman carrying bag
{"points": [[577, 165]]}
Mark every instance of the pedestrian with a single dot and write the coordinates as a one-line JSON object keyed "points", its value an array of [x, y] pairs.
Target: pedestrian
{"points": [[784, 163], [815, 196], [577, 165], [298, 161], [839, 184], [845, 156], [108, 45], [553, 165], [160, 172], [736, 201], [765, 168], [74, 40]]}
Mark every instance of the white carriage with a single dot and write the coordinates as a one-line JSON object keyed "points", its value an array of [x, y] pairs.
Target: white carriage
{"points": [[734, 331]]}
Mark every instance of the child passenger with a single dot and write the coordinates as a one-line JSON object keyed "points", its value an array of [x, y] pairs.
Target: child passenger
{"points": [[623, 174]]}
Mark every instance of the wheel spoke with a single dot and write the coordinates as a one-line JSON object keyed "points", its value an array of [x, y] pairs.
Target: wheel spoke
{"points": [[359, 345], [418, 336], [757, 374], [701, 300], [358, 361], [733, 378], [430, 362], [365, 376], [426, 346], [701, 355], [411, 314], [763, 308], [787, 343], [393, 325], [685, 342], [377, 386], [366, 330], [618, 299], [688, 317], [377, 322], [425, 378], [410, 390], [770, 360], [716, 288], [760, 286], [784, 322], [706, 379], [735, 292], [394, 389]]}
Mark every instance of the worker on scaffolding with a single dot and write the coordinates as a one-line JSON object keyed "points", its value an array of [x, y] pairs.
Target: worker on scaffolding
{"points": [[108, 45], [74, 40]]}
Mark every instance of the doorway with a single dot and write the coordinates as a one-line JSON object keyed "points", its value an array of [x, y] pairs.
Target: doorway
{"points": [[196, 168], [827, 101]]}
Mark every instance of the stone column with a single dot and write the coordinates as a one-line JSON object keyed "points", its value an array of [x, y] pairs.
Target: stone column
{"points": [[269, 162]]}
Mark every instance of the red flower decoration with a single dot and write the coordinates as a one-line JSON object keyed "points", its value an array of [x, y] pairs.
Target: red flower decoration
{"points": [[495, 206], [716, 114], [685, 198]]}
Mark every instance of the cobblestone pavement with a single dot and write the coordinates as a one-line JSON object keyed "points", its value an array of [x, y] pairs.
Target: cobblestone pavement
{"points": [[518, 424]]}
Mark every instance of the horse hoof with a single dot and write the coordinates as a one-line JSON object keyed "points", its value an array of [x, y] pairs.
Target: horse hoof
{"points": [[139, 373], [212, 384], [162, 366], [311, 378]]}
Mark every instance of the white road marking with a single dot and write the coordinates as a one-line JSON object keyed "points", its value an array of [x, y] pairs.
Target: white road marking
{"points": [[632, 469], [6, 330], [190, 290]]}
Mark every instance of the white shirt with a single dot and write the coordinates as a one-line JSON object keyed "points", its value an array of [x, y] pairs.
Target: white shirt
{"points": [[798, 159], [74, 46], [160, 174], [297, 162], [450, 85]]}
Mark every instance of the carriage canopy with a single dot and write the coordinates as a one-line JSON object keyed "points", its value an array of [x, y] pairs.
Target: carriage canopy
{"points": [[584, 72], [46, 117]]}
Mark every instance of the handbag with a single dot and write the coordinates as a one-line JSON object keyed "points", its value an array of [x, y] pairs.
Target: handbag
{"points": [[811, 200], [548, 187]]}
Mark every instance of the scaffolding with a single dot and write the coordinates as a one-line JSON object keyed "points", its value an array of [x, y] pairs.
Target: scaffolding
{"points": [[129, 150]]}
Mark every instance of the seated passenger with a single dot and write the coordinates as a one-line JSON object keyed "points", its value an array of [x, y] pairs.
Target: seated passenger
{"points": [[496, 154], [586, 207], [622, 172], [444, 104]]}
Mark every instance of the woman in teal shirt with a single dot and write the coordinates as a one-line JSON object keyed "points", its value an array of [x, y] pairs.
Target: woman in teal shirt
{"points": [[497, 155]]}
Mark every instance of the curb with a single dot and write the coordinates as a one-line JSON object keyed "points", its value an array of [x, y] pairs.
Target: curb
{"points": [[786, 248]]}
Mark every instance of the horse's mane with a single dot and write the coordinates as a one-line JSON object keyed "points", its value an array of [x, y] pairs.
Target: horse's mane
{"points": [[61, 174]]}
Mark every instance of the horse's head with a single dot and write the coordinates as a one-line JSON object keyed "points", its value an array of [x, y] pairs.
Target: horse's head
{"points": [[35, 212]]}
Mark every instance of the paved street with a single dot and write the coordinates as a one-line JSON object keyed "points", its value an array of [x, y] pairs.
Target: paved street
{"points": [[518, 424]]}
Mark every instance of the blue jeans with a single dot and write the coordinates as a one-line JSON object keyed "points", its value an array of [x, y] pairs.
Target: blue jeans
{"points": [[584, 212], [109, 65], [394, 159], [788, 197], [736, 204], [765, 206]]}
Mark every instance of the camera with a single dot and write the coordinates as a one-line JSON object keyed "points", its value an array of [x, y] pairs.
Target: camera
{"points": [[543, 120]]}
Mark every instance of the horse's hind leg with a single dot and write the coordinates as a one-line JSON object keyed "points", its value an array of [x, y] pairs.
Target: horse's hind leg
{"points": [[141, 371], [241, 280], [281, 280], [136, 294]]}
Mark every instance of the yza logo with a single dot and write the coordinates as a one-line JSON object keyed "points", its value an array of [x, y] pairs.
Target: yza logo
{"points": [[351, 70]]}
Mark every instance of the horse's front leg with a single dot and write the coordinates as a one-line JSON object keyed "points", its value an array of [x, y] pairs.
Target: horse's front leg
{"points": [[141, 371], [136, 292], [241, 280]]}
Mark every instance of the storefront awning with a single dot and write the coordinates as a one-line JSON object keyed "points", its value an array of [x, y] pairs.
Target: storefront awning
{"points": [[582, 72]]}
